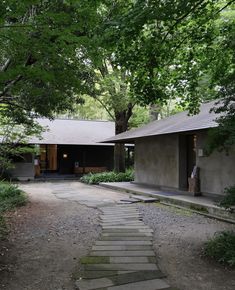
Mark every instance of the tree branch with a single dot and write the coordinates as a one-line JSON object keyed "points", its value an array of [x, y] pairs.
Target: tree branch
{"points": [[6, 65], [229, 3], [105, 107], [182, 18]]}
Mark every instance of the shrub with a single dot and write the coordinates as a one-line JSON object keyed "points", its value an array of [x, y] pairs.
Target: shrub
{"points": [[10, 196], [111, 176], [222, 248], [229, 198]]}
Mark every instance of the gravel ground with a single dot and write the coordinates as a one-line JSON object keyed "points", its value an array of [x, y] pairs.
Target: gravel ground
{"points": [[178, 241], [47, 239]]}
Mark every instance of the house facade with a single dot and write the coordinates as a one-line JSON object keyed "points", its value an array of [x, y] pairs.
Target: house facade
{"points": [[167, 150], [67, 147]]}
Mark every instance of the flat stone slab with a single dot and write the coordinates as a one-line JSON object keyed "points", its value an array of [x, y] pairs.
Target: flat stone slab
{"points": [[116, 218], [154, 284], [132, 243], [131, 200], [122, 216], [118, 279], [126, 234], [122, 248], [122, 238], [121, 267], [127, 260], [145, 198], [123, 254], [135, 277], [122, 224], [100, 274]]}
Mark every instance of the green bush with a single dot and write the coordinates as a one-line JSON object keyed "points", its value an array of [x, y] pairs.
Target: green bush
{"points": [[96, 178], [222, 248], [229, 198], [10, 196]]}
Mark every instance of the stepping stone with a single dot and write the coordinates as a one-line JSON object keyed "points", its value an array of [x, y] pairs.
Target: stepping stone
{"points": [[147, 230], [131, 227], [119, 279], [100, 274], [123, 224], [121, 248], [123, 238], [130, 199], [154, 284], [126, 243], [123, 253], [145, 198], [129, 260], [121, 267], [113, 234]]}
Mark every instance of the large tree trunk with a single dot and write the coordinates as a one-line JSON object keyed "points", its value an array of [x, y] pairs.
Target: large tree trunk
{"points": [[121, 125]]}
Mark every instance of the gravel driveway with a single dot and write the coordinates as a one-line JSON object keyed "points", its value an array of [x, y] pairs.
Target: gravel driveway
{"points": [[178, 241]]}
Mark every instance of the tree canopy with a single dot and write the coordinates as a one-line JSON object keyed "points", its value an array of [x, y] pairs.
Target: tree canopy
{"points": [[41, 72]]}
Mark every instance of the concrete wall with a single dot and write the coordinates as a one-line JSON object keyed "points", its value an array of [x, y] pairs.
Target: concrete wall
{"points": [[156, 161], [23, 171], [217, 171]]}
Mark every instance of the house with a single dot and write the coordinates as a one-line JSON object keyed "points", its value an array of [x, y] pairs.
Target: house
{"points": [[167, 150], [67, 147]]}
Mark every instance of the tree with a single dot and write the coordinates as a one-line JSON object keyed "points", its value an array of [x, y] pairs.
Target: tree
{"points": [[181, 49], [167, 46], [14, 139], [41, 72], [111, 90]]}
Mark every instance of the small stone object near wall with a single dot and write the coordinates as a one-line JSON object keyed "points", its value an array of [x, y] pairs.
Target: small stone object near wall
{"points": [[194, 182]]}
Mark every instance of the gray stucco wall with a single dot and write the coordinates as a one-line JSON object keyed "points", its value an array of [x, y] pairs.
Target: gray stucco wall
{"points": [[23, 171], [156, 161], [217, 171]]}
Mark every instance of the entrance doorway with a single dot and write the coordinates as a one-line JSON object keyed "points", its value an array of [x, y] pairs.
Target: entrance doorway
{"points": [[187, 158], [48, 158]]}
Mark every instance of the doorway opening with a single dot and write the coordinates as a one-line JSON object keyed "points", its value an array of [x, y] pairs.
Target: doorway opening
{"points": [[48, 158], [187, 158]]}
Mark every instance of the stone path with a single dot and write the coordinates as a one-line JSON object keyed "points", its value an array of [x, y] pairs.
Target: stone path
{"points": [[123, 257]]}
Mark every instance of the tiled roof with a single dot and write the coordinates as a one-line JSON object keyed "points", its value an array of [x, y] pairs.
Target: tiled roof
{"points": [[180, 122], [74, 132]]}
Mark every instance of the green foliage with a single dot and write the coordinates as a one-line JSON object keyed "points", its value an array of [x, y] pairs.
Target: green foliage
{"points": [[41, 69], [222, 248], [222, 138], [10, 196], [229, 199], [108, 177], [14, 139], [172, 48]]}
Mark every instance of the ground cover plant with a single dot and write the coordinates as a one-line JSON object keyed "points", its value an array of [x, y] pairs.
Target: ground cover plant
{"points": [[229, 199], [10, 197], [96, 178], [222, 248]]}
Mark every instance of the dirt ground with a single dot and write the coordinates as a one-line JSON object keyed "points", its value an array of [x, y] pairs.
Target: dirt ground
{"points": [[47, 238], [50, 234]]}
